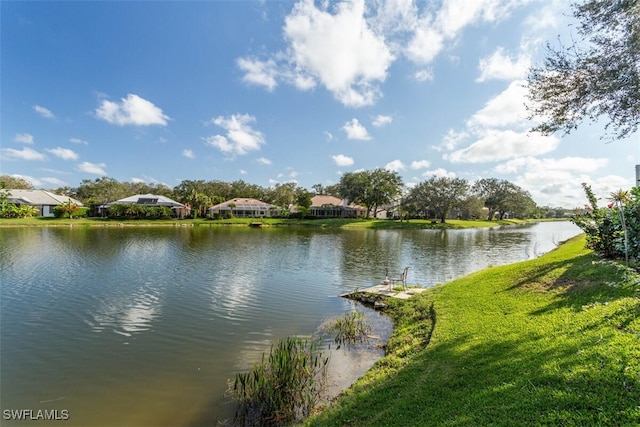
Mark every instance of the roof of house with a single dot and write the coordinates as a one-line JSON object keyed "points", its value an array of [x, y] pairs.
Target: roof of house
{"points": [[243, 204], [148, 200], [39, 198], [324, 200]]}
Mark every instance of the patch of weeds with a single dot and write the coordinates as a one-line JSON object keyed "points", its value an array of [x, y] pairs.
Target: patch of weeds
{"points": [[283, 388]]}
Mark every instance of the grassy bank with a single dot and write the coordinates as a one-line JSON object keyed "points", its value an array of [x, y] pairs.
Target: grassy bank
{"points": [[551, 341], [326, 223]]}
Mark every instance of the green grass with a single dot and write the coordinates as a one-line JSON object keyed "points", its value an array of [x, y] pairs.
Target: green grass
{"points": [[551, 341], [322, 223]]}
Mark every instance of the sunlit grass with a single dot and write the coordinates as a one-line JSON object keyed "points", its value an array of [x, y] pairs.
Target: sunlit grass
{"points": [[322, 223], [551, 341]]}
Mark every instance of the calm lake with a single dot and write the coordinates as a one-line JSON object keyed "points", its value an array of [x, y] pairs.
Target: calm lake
{"points": [[142, 326]]}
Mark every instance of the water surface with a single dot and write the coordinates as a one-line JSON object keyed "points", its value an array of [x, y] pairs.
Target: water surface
{"points": [[143, 326]]}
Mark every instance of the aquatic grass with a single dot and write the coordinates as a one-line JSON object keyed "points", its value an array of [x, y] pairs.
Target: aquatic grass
{"points": [[350, 329], [284, 387], [550, 341]]}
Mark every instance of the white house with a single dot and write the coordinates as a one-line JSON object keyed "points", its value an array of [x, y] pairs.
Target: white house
{"points": [[44, 200]]}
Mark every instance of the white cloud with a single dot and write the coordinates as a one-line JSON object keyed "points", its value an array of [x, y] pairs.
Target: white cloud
{"points": [[240, 137], [54, 181], [188, 154], [495, 145], [340, 50], [424, 75], [500, 66], [261, 73], [78, 141], [342, 160], [381, 120], [507, 108], [328, 135], [25, 153], [138, 180], [243, 172], [92, 168], [355, 130], [440, 173], [264, 161], [63, 153], [451, 140], [395, 166], [132, 110], [44, 112], [565, 164], [24, 138], [420, 164], [426, 44]]}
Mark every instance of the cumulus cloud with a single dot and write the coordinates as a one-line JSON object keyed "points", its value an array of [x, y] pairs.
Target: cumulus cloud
{"points": [[420, 164], [23, 138], [240, 137], [424, 75], [342, 160], [381, 120], [63, 153], [440, 173], [44, 112], [348, 47], [495, 145], [336, 48], [261, 73], [25, 153], [355, 130], [188, 154], [567, 164], [93, 168], [505, 109], [54, 181], [78, 141], [132, 110], [340, 50], [264, 161], [501, 66], [395, 166]]}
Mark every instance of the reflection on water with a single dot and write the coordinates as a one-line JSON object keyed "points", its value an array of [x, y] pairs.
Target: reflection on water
{"points": [[143, 326]]}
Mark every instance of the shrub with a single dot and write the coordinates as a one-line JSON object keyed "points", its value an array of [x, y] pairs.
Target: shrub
{"points": [[613, 232]]}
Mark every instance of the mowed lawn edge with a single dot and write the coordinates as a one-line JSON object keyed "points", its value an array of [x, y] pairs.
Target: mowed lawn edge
{"points": [[550, 341]]}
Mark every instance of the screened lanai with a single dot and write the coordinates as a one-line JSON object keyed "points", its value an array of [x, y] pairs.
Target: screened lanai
{"points": [[244, 208]]}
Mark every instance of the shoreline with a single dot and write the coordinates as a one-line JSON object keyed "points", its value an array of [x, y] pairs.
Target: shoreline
{"points": [[382, 224]]}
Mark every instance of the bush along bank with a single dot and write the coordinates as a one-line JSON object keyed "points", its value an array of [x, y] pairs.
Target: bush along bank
{"points": [[550, 341]]}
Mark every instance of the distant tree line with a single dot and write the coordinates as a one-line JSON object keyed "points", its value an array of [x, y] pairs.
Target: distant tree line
{"points": [[379, 189]]}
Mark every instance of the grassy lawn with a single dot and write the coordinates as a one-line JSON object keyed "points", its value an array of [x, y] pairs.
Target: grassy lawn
{"points": [[551, 341], [327, 223]]}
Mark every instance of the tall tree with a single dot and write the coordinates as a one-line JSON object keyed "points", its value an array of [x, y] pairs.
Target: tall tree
{"points": [[439, 194], [596, 76], [14, 183], [372, 189], [503, 196]]}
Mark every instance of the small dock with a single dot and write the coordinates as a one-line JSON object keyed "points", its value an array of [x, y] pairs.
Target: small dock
{"points": [[372, 294], [383, 289]]}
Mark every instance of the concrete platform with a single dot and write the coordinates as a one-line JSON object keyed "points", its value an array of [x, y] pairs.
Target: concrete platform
{"points": [[384, 290]]}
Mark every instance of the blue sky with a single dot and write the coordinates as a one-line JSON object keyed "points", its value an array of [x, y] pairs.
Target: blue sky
{"points": [[279, 91]]}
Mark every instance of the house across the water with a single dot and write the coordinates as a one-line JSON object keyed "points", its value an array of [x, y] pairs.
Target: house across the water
{"points": [[244, 208], [332, 207], [44, 200]]}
